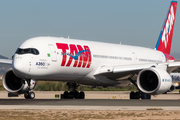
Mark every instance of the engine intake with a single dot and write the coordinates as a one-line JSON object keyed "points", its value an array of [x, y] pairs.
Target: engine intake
{"points": [[11, 82], [154, 81], [14, 84], [149, 80]]}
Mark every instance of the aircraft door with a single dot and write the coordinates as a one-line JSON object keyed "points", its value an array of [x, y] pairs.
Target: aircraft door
{"points": [[53, 53], [135, 59]]}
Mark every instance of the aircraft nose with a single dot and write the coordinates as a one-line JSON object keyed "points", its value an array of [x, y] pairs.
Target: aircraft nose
{"points": [[19, 67]]}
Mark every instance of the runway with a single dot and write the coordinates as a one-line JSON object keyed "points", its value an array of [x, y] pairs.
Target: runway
{"points": [[113, 101], [89, 102]]}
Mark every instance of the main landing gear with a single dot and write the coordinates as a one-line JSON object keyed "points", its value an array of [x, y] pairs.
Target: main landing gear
{"points": [[73, 94], [139, 94], [29, 95]]}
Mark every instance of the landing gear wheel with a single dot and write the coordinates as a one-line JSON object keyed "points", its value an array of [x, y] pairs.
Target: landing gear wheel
{"points": [[73, 93], [81, 95], [132, 95], [31, 95], [62, 96], [138, 95], [66, 94], [145, 96], [76, 95], [26, 96]]}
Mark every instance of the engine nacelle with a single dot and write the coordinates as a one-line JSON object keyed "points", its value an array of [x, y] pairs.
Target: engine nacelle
{"points": [[154, 81], [14, 84]]}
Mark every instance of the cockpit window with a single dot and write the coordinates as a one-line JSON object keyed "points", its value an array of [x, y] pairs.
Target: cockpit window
{"points": [[27, 51]]}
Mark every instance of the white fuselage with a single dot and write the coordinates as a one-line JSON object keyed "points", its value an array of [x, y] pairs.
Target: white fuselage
{"points": [[55, 62]]}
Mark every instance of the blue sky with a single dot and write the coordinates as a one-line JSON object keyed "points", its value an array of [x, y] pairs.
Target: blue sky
{"points": [[131, 22]]}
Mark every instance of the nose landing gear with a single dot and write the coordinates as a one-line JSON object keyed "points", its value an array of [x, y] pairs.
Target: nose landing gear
{"points": [[31, 85], [29, 95]]}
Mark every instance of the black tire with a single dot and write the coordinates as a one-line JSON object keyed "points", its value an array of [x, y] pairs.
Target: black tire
{"points": [[31, 95], [145, 96], [77, 95], [62, 96], [132, 95], [81, 95], [66, 94], [136, 95], [71, 95], [149, 97], [26, 96]]}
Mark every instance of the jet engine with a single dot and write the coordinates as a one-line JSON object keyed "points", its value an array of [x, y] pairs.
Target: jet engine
{"points": [[14, 84], [154, 81]]}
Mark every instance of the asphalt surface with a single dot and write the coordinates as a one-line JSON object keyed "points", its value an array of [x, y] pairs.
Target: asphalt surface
{"points": [[89, 102], [94, 100]]}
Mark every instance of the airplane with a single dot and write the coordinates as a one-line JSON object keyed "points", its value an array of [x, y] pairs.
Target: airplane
{"points": [[176, 80], [94, 63], [6, 61]]}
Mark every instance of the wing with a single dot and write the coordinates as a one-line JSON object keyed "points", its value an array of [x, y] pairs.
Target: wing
{"points": [[174, 66], [121, 72], [5, 61]]}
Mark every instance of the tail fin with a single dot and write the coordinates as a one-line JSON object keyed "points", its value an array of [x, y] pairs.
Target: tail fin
{"points": [[166, 34]]}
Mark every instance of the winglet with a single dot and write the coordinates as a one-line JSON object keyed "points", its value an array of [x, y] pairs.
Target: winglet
{"points": [[166, 34]]}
